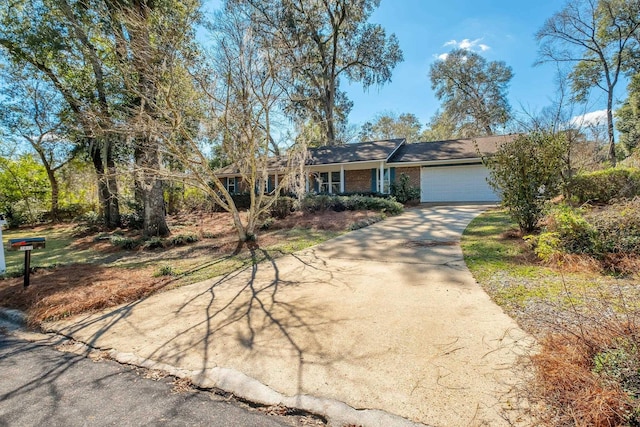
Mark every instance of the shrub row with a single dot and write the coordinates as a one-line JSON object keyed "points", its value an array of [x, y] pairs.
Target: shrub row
{"points": [[323, 202], [613, 229], [606, 185], [130, 243]]}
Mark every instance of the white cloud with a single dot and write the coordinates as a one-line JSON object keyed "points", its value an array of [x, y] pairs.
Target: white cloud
{"points": [[467, 44], [594, 118]]}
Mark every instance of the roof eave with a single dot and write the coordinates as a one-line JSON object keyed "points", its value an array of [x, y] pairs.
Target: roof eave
{"points": [[437, 162]]}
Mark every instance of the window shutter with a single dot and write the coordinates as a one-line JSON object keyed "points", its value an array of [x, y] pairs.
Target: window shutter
{"points": [[235, 185], [374, 180], [392, 175]]}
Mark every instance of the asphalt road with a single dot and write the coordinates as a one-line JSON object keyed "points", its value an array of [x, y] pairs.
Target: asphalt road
{"points": [[42, 386]]}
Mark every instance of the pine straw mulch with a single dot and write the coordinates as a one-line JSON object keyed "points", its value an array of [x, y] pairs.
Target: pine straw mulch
{"points": [[587, 367], [78, 288]]}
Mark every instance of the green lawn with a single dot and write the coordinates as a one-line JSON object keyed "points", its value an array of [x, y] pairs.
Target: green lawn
{"points": [[57, 249]]}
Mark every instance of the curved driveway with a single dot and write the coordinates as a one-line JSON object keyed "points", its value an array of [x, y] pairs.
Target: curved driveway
{"points": [[387, 318]]}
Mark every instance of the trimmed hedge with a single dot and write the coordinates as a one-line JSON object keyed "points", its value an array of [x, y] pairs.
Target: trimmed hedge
{"points": [[322, 202], [605, 185], [617, 228]]}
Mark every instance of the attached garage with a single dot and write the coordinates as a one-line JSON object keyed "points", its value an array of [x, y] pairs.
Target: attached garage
{"points": [[461, 183]]}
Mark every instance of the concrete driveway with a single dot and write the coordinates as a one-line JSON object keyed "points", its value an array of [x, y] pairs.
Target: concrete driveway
{"points": [[381, 326]]}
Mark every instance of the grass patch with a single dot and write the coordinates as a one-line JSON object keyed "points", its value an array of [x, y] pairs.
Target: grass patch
{"points": [[59, 250], [506, 267], [297, 239], [491, 245]]}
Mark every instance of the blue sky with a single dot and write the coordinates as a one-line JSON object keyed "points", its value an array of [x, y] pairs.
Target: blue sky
{"points": [[497, 29], [501, 30]]}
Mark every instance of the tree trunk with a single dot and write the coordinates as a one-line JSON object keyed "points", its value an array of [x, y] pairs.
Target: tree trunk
{"points": [[612, 142], [55, 194], [107, 185], [53, 182], [329, 123], [151, 191], [146, 152]]}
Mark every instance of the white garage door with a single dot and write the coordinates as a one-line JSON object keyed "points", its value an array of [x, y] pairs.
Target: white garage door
{"points": [[466, 183]]}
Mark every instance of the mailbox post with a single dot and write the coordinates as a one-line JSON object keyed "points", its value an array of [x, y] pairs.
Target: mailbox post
{"points": [[26, 245], [3, 265]]}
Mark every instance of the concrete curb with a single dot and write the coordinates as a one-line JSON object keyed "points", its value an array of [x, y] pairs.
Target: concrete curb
{"points": [[15, 319], [240, 385], [337, 414]]}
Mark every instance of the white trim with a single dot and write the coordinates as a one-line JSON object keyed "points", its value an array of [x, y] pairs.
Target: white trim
{"points": [[345, 163], [396, 149], [381, 178], [451, 162], [374, 163], [342, 178]]}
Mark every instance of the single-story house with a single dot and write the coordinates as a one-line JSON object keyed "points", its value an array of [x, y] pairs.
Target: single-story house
{"points": [[445, 171]]}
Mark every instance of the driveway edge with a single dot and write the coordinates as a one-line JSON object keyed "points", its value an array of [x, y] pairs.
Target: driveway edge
{"points": [[337, 414], [12, 319], [240, 385]]}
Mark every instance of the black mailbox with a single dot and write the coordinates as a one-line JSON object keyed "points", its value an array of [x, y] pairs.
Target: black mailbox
{"points": [[26, 245]]}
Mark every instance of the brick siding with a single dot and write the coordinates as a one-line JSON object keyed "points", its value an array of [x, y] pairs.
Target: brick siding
{"points": [[413, 173], [357, 180]]}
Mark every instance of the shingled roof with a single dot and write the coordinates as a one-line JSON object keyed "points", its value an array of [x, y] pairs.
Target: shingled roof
{"points": [[273, 164], [453, 149], [349, 153], [391, 151]]}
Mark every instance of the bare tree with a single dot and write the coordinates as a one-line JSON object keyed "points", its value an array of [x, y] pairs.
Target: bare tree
{"points": [[597, 36], [580, 151], [240, 93]]}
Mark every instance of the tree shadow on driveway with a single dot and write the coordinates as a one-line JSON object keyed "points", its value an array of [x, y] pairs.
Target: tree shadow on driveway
{"points": [[255, 320]]}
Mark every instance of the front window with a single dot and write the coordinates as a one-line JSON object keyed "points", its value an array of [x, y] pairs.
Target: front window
{"points": [[328, 182], [335, 182], [231, 185], [386, 181], [324, 182]]}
